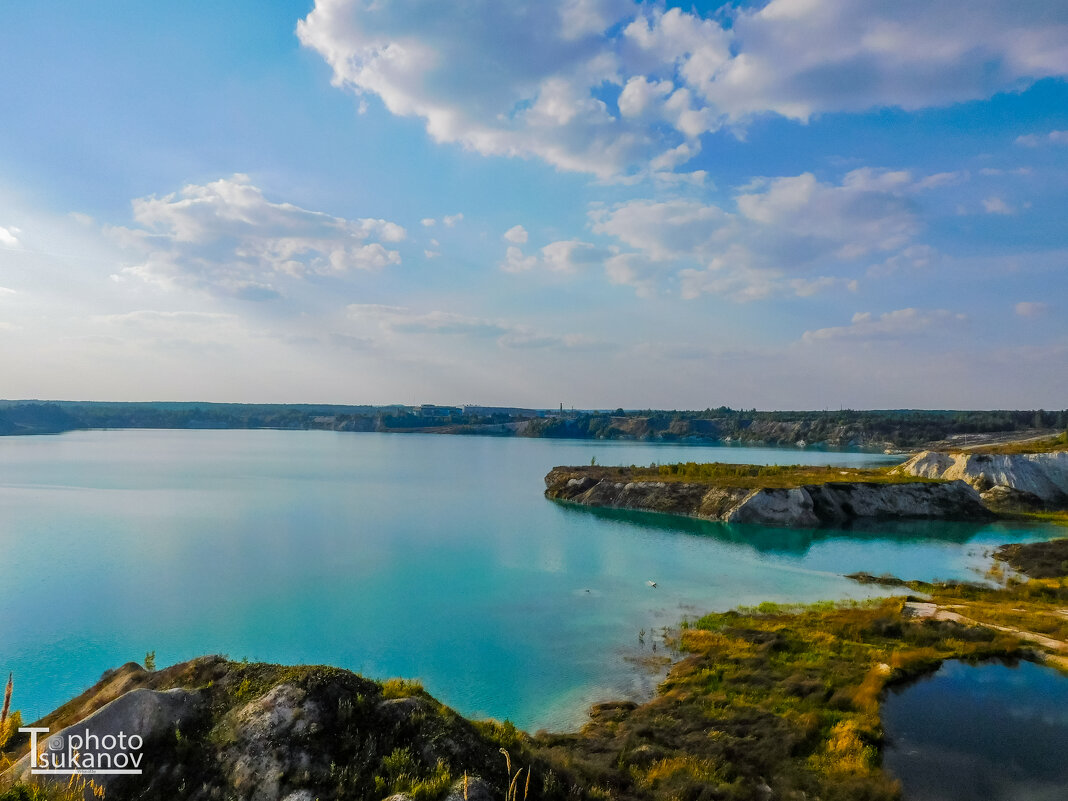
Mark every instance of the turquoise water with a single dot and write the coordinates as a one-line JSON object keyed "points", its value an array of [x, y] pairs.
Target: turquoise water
{"points": [[991, 731], [430, 557]]}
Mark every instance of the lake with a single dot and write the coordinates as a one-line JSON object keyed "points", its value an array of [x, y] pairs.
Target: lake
{"points": [[423, 556], [989, 731]]}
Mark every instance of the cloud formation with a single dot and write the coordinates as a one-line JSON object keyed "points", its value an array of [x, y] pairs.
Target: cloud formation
{"points": [[401, 320], [995, 205], [1029, 308], [227, 238], [517, 235], [794, 234], [613, 86], [564, 256], [898, 324], [1036, 140], [173, 330], [8, 237]]}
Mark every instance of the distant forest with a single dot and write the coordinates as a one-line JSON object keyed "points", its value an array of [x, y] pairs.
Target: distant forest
{"points": [[842, 428]]}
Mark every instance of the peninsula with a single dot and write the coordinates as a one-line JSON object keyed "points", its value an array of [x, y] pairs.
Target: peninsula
{"points": [[929, 486]]}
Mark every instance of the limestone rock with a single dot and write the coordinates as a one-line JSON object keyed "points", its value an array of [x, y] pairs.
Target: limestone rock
{"points": [[477, 790], [1042, 475], [152, 715]]}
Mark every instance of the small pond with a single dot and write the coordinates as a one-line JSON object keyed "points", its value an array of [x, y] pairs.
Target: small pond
{"points": [[992, 731]]}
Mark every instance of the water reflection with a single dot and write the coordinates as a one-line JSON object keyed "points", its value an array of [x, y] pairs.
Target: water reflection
{"points": [[995, 731], [796, 541]]}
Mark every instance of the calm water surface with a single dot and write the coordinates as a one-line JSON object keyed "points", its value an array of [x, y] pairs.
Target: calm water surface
{"points": [[422, 556], [989, 732]]}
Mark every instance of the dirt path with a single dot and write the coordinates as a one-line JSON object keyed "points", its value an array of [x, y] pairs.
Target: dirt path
{"points": [[932, 611]]}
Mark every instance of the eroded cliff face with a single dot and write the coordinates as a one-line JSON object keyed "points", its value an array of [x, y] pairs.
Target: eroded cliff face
{"points": [[1025, 479], [807, 506]]}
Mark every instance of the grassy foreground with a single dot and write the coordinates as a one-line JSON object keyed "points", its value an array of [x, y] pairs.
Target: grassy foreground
{"points": [[771, 702]]}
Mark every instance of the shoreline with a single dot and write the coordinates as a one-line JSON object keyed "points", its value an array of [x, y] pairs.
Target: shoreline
{"points": [[770, 675], [897, 431]]}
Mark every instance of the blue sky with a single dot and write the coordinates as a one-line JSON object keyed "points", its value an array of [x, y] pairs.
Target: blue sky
{"points": [[798, 204]]}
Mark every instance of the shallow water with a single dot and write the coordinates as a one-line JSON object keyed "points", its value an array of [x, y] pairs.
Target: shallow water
{"points": [[424, 556], [989, 731]]}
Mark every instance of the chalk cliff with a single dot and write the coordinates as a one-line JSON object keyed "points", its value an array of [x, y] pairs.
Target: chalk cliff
{"points": [[1036, 479]]}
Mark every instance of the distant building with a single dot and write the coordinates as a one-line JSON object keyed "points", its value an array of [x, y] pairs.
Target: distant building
{"points": [[433, 410], [510, 411]]}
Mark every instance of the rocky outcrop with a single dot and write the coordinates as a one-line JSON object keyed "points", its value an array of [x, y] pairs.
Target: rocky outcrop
{"points": [[214, 729], [1023, 480], [150, 715], [808, 506]]}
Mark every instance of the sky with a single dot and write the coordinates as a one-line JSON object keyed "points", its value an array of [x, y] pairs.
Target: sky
{"points": [[798, 204]]}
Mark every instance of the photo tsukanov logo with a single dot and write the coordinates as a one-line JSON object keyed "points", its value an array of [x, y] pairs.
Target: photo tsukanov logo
{"points": [[85, 753]]}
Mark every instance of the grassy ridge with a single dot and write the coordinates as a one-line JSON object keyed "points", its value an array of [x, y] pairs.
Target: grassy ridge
{"points": [[752, 476], [1049, 445]]}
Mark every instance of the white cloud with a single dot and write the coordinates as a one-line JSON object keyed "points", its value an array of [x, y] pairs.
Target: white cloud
{"points": [[227, 238], [915, 257], [174, 329], [399, 320], [439, 322], [149, 318], [1035, 140], [667, 229], [375, 311], [989, 171], [564, 256], [569, 256], [897, 324], [529, 340], [866, 212], [431, 254], [607, 86], [784, 235], [995, 205], [1027, 308], [799, 57], [349, 342], [635, 270], [515, 261], [940, 179], [746, 284], [427, 222], [403, 320], [517, 235], [450, 220], [8, 238]]}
